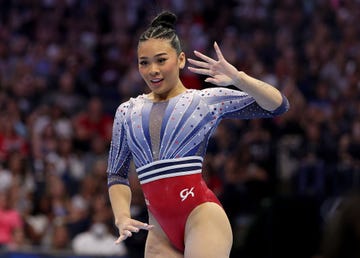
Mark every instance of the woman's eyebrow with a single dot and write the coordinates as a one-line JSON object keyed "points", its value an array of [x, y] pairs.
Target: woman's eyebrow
{"points": [[157, 55]]}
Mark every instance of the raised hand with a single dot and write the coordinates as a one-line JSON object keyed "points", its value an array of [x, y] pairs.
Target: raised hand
{"points": [[220, 72], [130, 226]]}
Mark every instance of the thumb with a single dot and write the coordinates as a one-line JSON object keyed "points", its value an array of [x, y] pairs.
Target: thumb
{"points": [[120, 239], [146, 226]]}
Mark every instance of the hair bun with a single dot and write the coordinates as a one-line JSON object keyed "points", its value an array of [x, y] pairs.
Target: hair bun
{"points": [[166, 19]]}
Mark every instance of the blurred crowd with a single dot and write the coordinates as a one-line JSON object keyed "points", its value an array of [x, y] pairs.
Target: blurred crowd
{"points": [[65, 65]]}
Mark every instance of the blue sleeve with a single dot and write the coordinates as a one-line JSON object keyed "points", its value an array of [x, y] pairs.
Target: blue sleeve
{"points": [[228, 103], [119, 155]]}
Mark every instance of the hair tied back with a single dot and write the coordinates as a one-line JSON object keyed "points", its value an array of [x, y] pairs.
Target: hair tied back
{"points": [[165, 19]]}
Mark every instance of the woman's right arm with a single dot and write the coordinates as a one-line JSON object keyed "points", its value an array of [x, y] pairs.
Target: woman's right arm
{"points": [[118, 183], [120, 198]]}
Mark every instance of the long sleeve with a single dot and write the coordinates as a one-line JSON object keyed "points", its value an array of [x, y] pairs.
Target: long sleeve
{"points": [[119, 154], [228, 103]]}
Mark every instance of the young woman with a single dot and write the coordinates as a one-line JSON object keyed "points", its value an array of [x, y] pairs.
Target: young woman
{"points": [[166, 132]]}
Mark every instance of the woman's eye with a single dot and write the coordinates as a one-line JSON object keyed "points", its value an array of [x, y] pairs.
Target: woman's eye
{"points": [[161, 60], [143, 63]]}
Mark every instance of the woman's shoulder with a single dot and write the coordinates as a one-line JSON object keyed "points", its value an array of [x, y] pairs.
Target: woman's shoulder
{"points": [[130, 103], [133, 100]]}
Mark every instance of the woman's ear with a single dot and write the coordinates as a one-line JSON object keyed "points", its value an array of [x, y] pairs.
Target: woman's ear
{"points": [[182, 60]]}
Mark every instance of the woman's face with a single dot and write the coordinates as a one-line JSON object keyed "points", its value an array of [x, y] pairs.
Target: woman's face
{"points": [[159, 66]]}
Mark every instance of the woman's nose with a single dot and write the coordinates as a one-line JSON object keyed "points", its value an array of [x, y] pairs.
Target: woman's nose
{"points": [[154, 69]]}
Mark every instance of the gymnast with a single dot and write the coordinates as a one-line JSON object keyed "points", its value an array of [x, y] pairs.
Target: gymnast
{"points": [[165, 134]]}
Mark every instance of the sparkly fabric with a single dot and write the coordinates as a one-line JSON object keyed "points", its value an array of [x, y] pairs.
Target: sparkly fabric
{"points": [[180, 127]]}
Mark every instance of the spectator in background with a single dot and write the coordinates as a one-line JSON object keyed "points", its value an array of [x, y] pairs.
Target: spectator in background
{"points": [[246, 184], [55, 206], [60, 239], [78, 217], [100, 210], [66, 97], [11, 222], [96, 155], [39, 220], [46, 141], [97, 241], [92, 122], [68, 164], [10, 139], [341, 236]]}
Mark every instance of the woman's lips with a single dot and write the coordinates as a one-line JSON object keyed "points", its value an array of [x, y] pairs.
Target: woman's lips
{"points": [[156, 82]]}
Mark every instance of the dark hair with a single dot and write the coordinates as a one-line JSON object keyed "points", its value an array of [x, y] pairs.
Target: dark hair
{"points": [[163, 27], [342, 230]]}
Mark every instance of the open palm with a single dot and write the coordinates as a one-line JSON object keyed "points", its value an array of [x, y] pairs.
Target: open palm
{"points": [[220, 72]]}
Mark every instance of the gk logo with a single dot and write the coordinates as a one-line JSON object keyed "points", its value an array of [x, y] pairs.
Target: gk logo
{"points": [[186, 192]]}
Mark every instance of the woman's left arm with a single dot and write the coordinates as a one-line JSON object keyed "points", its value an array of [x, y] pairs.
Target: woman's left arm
{"points": [[221, 73]]}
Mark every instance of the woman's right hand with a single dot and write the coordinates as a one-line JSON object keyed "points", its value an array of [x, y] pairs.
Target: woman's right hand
{"points": [[129, 226]]}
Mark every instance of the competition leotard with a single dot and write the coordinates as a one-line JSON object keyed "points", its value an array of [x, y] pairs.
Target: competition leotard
{"points": [[167, 142]]}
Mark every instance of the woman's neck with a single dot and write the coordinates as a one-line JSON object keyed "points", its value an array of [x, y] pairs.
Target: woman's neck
{"points": [[167, 95]]}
